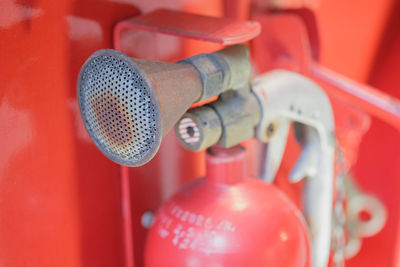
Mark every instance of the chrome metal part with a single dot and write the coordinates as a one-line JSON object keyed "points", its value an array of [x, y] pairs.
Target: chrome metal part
{"points": [[356, 215], [365, 216], [286, 98], [339, 246], [375, 211], [147, 219]]}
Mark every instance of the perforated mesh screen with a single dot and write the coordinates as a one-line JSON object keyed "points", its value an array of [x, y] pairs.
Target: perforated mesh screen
{"points": [[117, 109]]}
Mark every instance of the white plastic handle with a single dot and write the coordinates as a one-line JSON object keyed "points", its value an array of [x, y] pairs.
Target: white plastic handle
{"points": [[286, 98]]}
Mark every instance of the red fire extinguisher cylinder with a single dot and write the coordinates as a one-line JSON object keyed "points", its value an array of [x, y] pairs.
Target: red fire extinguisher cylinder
{"points": [[228, 219]]}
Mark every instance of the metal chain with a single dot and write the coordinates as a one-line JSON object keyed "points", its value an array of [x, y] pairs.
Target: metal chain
{"points": [[348, 231], [339, 216]]}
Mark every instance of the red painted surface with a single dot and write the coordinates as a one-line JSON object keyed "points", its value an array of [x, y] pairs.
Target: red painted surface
{"points": [[359, 40], [203, 28], [350, 33], [60, 199], [380, 147], [228, 219]]}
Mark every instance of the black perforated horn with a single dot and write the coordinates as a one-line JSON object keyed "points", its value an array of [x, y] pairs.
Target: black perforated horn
{"points": [[128, 105]]}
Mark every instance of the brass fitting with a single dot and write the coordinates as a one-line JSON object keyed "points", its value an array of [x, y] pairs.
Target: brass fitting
{"points": [[225, 122]]}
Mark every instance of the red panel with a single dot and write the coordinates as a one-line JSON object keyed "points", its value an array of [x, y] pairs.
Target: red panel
{"points": [[59, 197], [203, 28], [350, 32], [381, 147]]}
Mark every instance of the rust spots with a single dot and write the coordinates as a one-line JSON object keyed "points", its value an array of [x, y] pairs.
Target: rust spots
{"points": [[114, 122]]}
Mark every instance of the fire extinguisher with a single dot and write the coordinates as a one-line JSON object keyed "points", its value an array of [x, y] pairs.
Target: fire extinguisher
{"points": [[228, 219], [225, 219]]}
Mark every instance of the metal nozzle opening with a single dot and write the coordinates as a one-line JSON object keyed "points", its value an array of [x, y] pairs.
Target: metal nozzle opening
{"points": [[119, 108]]}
